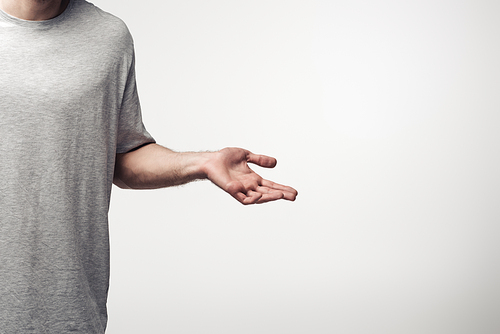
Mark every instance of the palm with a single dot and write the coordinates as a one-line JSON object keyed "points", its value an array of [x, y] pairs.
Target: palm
{"points": [[230, 171]]}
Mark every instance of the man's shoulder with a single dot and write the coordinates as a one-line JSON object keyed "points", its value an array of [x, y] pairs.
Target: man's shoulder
{"points": [[100, 19], [96, 21]]}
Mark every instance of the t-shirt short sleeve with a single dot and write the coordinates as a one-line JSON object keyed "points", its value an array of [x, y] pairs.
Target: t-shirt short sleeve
{"points": [[131, 133]]}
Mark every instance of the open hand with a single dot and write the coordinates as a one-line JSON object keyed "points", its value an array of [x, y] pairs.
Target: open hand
{"points": [[229, 170]]}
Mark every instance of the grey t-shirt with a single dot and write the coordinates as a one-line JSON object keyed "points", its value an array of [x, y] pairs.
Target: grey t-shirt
{"points": [[68, 104]]}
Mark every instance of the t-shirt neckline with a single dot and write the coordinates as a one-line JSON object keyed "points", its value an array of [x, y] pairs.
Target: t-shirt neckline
{"points": [[36, 24]]}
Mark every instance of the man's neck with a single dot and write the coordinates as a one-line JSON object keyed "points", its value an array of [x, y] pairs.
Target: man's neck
{"points": [[34, 10]]}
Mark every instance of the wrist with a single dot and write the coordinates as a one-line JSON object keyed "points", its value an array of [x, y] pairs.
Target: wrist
{"points": [[204, 162]]}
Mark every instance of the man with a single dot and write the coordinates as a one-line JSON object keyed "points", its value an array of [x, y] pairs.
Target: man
{"points": [[70, 126]]}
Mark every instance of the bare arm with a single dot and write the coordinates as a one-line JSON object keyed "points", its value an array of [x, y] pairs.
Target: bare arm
{"points": [[154, 166]]}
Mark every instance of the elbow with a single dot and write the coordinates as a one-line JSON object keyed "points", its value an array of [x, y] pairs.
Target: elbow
{"points": [[120, 184]]}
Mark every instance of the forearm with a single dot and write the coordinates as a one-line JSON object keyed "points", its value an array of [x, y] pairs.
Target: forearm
{"points": [[154, 166]]}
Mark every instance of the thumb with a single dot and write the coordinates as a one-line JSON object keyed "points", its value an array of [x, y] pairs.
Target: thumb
{"points": [[262, 160]]}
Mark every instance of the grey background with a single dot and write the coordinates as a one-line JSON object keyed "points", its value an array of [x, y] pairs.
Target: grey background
{"points": [[383, 114]]}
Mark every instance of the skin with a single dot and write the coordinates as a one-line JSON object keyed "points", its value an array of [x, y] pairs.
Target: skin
{"points": [[34, 10], [153, 166]]}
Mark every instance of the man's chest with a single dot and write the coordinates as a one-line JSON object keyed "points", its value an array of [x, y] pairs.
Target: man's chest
{"points": [[58, 80], [55, 74]]}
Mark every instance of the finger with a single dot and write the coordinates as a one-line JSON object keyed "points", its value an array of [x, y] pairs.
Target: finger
{"points": [[289, 192], [273, 194], [251, 197], [247, 199], [240, 197], [270, 195], [245, 195], [261, 160]]}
